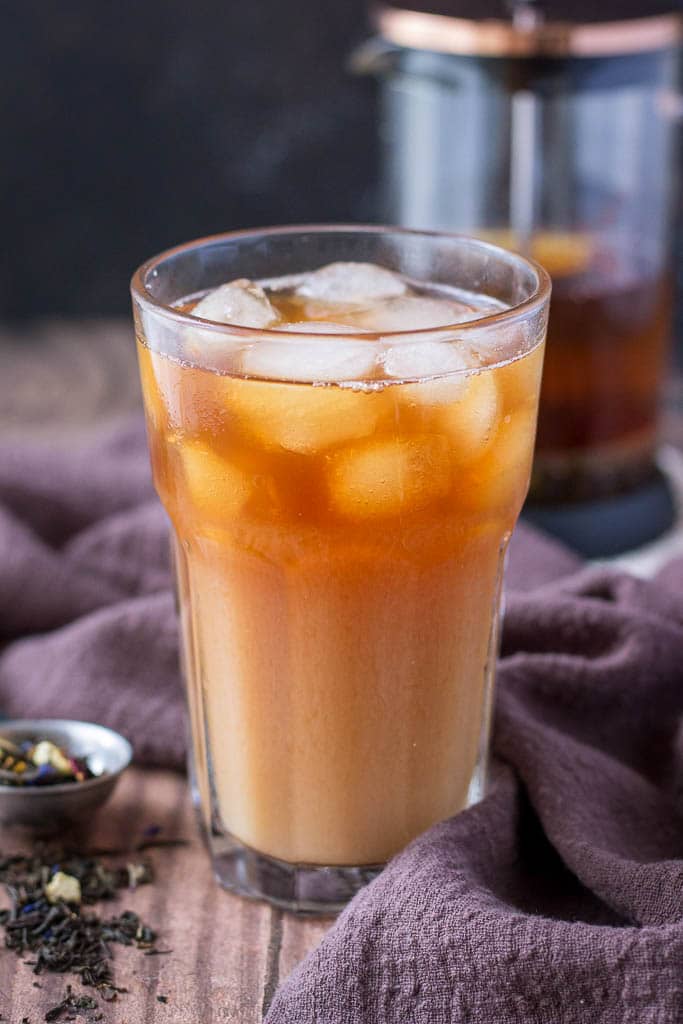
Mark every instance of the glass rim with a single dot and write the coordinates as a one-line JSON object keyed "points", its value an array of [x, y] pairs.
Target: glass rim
{"points": [[511, 314]]}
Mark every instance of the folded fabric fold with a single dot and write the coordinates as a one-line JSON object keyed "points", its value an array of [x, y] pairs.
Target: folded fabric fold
{"points": [[86, 607]]}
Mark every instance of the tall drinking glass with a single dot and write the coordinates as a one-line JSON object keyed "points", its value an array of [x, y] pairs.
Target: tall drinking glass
{"points": [[342, 485]]}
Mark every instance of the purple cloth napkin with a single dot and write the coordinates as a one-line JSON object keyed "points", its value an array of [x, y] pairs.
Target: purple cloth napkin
{"points": [[86, 608], [558, 899]]}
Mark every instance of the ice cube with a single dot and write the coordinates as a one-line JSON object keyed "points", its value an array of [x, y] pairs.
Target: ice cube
{"points": [[182, 399], [216, 487], [417, 360], [499, 341], [318, 327], [412, 313], [169, 391], [440, 366], [520, 380], [351, 282], [321, 359], [242, 303], [471, 420], [384, 478], [302, 418], [499, 482], [154, 402]]}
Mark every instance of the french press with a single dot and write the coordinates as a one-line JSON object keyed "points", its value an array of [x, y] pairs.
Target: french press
{"points": [[550, 127]]}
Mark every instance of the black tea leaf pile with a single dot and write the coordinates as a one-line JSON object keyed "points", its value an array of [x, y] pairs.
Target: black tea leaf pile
{"points": [[48, 918]]}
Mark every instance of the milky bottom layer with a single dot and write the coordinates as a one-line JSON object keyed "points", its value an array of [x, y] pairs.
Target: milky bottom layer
{"points": [[342, 699]]}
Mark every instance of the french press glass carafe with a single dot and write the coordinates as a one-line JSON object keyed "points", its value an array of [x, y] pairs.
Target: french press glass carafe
{"points": [[550, 127]]}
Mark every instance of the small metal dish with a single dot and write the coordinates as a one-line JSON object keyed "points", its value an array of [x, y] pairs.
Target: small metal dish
{"points": [[46, 808]]}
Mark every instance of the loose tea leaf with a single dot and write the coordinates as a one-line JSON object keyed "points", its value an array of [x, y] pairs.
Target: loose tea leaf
{"points": [[71, 1002], [40, 763], [44, 919]]}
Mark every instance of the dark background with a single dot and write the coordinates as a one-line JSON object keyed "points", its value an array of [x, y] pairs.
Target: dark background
{"points": [[129, 127]]}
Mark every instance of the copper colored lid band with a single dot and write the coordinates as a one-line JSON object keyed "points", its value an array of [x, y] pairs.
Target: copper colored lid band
{"points": [[422, 31]]}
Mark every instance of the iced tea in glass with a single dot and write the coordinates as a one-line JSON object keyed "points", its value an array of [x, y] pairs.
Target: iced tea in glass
{"points": [[341, 424]]}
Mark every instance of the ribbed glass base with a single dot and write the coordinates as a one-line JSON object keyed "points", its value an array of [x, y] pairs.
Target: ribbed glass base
{"points": [[301, 888]]}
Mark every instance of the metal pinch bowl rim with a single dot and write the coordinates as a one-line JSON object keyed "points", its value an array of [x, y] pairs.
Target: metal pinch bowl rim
{"points": [[40, 728]]}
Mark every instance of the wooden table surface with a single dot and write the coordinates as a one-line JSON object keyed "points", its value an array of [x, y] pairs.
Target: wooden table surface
{"points": [[228, 954]]}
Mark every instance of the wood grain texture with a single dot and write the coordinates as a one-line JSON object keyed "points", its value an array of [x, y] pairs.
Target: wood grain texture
{"points": [[66, 378], [228, 954], [299, 936]]}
